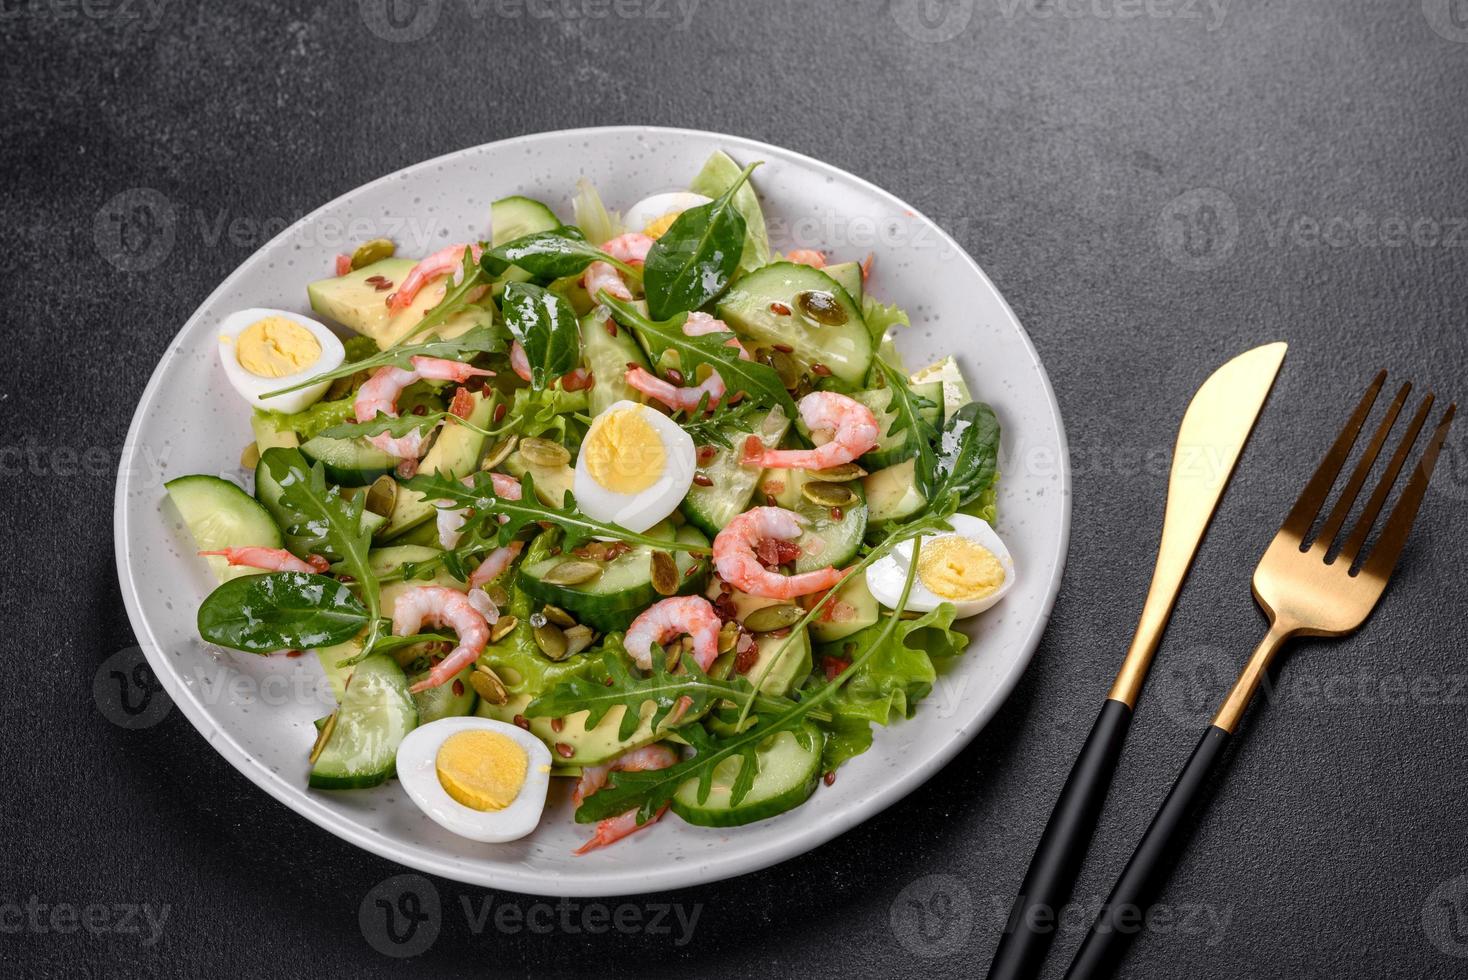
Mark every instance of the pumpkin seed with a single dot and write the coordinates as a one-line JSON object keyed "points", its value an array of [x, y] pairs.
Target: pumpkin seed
{"points": [[502, 628], [728, 636], [828, 494], [574, 572], [322, 737], [786, 368], [664, 573], [381, 496], [497, 595], [767, 619], [821, 307], [578, 638], [543, 452], [844, 473], [559, 616], [552, 641], [499, 453], [487, 685], [373, 251]]}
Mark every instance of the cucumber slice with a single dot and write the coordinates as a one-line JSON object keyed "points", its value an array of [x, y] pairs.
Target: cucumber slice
{"points": [[267, 491], [514, 217], [221, 515], [607, 355], [348, 462], [892, 447], [624, 589], [375, 714], [828, 540], [789, 765], [711, 508], [839, 340], [452, 700]]}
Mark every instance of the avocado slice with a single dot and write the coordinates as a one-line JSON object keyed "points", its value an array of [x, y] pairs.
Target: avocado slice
{"points": [[360, 305]]}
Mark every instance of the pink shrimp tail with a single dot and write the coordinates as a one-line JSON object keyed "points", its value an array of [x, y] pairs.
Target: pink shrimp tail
{"points": [[270, 559], [343, 264], [444, 262], [808, 256], [494, 564], [613, 829], [443, 369]]}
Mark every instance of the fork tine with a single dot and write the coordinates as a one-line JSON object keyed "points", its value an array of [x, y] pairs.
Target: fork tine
{"points": [[1362, 471], [1312, 498], [1353, 544], [1383, 557]]}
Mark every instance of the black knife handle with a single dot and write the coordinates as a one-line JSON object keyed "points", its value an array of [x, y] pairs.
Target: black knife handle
{"points": [[1057, 860], [1122, 915]]}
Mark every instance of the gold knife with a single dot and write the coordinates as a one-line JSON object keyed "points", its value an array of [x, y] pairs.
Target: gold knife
{"points": [[1212, 436]]}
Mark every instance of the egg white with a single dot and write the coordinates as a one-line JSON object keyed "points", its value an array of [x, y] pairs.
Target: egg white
{"points": [[418, 772], [887, 574], [649, 209], [640, 511], [251, 387]]}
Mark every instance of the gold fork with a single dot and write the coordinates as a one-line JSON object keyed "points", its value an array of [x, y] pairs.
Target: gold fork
{"points": [[1307, 587]]}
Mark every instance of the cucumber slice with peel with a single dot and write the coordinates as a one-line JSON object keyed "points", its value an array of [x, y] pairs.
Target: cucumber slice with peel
{"points": [[788, 767], [375, 714], [731, 484], [805, 309], [221, 515]]}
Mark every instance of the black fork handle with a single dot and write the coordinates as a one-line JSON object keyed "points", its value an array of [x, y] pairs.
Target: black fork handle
{"points": [[1125, 909], [1057, 860]]}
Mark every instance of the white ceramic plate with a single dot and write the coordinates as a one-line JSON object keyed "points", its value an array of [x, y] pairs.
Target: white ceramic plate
{"points": [[257, 712]]}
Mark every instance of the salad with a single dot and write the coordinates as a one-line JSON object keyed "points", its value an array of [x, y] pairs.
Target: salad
{"points": [[633, 501]]}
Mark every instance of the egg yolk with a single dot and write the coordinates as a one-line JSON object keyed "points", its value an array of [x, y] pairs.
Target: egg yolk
{"points": [[623, 452], [276, 347], [482, 770], [658, 227], [954, 567]]}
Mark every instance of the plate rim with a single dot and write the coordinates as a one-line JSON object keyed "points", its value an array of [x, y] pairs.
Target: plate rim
{"points": [[609, 882]]}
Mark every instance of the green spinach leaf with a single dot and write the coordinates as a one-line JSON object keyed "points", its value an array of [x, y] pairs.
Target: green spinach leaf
{"points": [[281, 611], [545, 325], [968, 452], [908, 406], [696, 257], [549, 255]]}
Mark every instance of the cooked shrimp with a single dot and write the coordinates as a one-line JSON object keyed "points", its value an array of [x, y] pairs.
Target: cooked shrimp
{"points": [[443, 607], [736, 561], [494, 564], [851, 426], [444, 262], [664, 620], [379, 395], [688, 399], [343, 265], [631, 248], [807, 256], [573, 380], [271, 559], [451, 521], [593, 778]]}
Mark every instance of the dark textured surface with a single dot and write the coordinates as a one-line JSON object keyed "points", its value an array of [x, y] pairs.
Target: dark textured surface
{"points": [[1055, 141]]}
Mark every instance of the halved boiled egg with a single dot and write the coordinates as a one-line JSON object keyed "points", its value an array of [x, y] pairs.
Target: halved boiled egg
{"points": [[634, 468], [970, 568], [479, 778], [654, 215], [266, 350]]}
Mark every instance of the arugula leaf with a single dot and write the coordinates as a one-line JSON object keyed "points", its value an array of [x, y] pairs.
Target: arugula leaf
{"points": [[281, 611], [323, 519], [696, 257], [458, 296], [758, 381], [480, 340], [713, 428], [545, 325], [549, 255], [907, 405], [969, 452], [487, 506]]}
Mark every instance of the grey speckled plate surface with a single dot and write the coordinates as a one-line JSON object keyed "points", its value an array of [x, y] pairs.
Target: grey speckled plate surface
{"points": [[257, 712]]}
